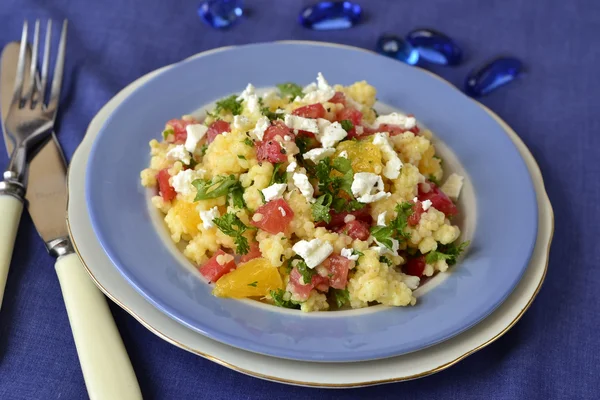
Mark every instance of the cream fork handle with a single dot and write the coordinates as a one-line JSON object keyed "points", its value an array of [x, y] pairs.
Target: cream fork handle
{"points": [[106, 367], [10, 214]]}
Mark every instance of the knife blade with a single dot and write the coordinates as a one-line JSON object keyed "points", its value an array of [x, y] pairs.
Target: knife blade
{"points": [[106, 367], [47, 185]]}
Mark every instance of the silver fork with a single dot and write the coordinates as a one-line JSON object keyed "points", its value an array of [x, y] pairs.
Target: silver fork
{"points": [[30, 119], [28, 122]]}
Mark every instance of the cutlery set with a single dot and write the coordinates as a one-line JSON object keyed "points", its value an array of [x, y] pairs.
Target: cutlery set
{"points": [[36, 178]]}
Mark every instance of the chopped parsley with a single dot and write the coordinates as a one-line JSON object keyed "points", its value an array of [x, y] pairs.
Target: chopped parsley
{"points": [[167, 132], [278, 297], [396, 227], [433, 180], [320, 208], [236, 193], [241, 157], [290, 89], [306, 272], [341, 296], [253, 284], [384, 259], [357, 253], [279, 174], [448, 252], [249, 142], [232, 226], [211, 189], [230, 104], [303, 143], [203, 149], [270, 114], [347, 125]]}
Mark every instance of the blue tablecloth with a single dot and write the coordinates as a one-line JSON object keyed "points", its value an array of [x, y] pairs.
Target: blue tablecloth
{"points": [[553, 352]]}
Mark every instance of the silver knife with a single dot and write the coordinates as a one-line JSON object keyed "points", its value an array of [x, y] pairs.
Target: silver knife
{"points": [[104, 361]]}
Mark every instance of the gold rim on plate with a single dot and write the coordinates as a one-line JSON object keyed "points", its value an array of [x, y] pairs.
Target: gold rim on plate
{"points": [[439, 368]]}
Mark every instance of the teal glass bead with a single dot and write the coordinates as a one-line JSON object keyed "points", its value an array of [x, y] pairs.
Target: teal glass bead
{"points": [[329, 15], [492, 75], [398, 48], [220, 14], [435, 47]]}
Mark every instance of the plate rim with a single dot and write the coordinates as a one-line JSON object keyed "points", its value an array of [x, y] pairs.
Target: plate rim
{"points": [[514, 139]]}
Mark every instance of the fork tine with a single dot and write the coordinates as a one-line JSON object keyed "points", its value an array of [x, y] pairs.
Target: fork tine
{"points": [[33, 68], [45, 62], [21, 64], [58, 70]]}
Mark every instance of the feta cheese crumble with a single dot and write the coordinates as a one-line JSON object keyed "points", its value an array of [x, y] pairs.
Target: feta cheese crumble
{"points": [[249, 91], [195, 133], [426, 204], [261, 126], [313, 252], [316, 155], [393, 162], [182, 182], [332, 134], [240, 122], [292, 167], [368, 187], [208, 216], [274, 191], [399, 119], [302, 183], [349, 254], [453, 186], [321, 94], [381, 219], [179, 153], [301, 123]]}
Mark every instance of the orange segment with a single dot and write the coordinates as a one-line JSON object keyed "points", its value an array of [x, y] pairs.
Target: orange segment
{"points": [[188, 215], [254, 278], [364, 155]]}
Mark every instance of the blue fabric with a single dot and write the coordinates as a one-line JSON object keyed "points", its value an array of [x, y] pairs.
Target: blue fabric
{"points": [[552, 353]]}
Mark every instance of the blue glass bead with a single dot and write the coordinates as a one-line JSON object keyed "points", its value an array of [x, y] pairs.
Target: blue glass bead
{"points": [[398, 48], [220, 13], [492, 75], [435, 47], [328, 15]]}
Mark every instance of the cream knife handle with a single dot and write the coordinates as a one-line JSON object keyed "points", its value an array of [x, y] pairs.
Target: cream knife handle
{"points": [[10, 214], [104, 361]]}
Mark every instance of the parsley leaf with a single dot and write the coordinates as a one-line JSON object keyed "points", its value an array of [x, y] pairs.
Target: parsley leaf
{"points": [[211, 189], [320, 208], [167, 132], [342, 164], [279, 174], [434, 180], [232, 226], [290, 89], [384, 259], [306, 272], [229, 104], [347, 125], [203, 149], [303, 143], [357, 253], [253, 284], [278, 297], [383, 235], [270, 114], [404, 211], [341, 296], [241, 157], [237, 195], [448, 252], [249, 142]]}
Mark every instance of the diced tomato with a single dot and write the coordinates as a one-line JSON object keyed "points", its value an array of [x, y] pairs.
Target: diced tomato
{"points": [[178, 126], [337, 219], [277, 129], [164, 187], [212, 270], [276, 216], [397, 129], [356, 229], [350, 114], [303, 291], [270, 150], [338, 98], [253, 253], [217, 128], [438, 199], [311, 111], [337, 267], [414, 266], [415, 217]]}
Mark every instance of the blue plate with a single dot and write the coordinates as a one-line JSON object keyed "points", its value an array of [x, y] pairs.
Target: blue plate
{"points": [[500, 251]]}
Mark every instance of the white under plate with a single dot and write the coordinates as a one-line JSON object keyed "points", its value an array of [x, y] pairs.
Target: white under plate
{"points": [[410, 366]]}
